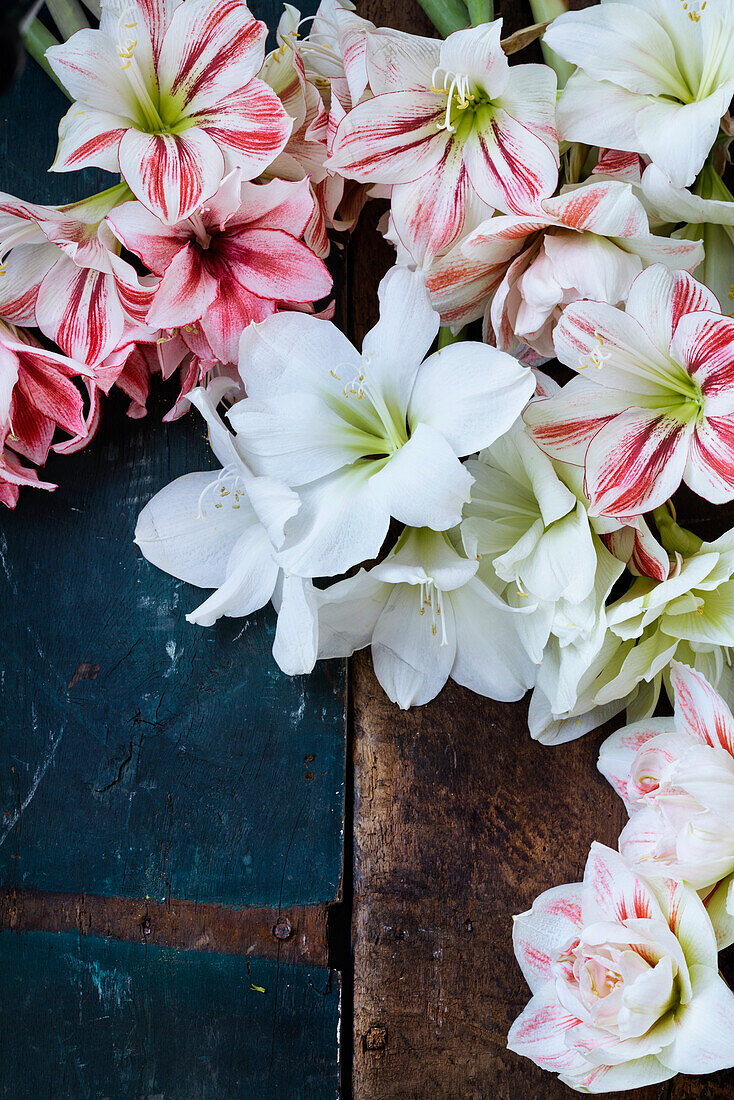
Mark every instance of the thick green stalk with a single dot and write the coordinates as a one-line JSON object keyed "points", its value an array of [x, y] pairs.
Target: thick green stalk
{"points": [[447, 16], [544, 10], [480, 11], [94, 6], [68, 15], [37, 40], [446, 336], [675, 539]]}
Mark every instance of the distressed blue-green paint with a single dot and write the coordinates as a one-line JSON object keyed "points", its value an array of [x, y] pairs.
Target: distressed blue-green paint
{"points": [[86, 1019], [181, 768]]}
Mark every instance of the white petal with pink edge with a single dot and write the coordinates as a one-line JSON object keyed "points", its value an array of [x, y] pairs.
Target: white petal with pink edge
{"points": [[171, 174], [699, 709]]}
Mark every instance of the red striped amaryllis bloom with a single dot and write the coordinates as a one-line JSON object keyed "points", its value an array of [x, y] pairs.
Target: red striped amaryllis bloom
{"points": [[37, 397], [654, 403], [61, 271], [450, 123], [233, 261], [625, 981], [167, 95]]}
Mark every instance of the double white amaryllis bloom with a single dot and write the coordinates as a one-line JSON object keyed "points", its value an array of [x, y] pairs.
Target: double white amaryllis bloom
{"points": [[625, 981], [167, 94], [428, 613], [655, 403], [217, 529], [450, 123], [676, 776], [365, 437], [655, 77]]}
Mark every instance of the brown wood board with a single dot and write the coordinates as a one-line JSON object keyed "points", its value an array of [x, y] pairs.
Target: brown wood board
{"points": [[460, 821]]}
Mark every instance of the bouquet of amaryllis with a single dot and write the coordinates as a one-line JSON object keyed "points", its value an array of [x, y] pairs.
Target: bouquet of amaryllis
{"points": [[439, 495]]}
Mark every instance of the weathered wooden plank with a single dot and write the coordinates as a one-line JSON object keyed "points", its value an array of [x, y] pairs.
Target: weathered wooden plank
{"points": [[296, 934], [85, 1019], [460, 821]]}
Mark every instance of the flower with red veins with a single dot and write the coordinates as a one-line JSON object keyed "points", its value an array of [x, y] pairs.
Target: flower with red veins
{"points": [[37, 397], [234, 261], [167, 95], [625, 981], [61, 271], [450, 120], [655, 405], [591, 242]]}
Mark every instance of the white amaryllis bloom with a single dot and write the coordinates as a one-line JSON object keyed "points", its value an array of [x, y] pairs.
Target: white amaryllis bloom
{"points": [[527, 523], [215, 529], [676, 777], [654, 401], [167, 94], [428, 614], [656, 76], [687, 616], [625, 981], [366, 437]]}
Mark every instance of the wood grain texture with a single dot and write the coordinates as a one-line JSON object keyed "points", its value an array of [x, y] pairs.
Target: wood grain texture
{"points": [[297, 934], [460, 821]]}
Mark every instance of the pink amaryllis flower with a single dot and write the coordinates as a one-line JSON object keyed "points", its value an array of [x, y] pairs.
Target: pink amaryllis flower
{"points": [[37, 397], [450, 121], [167, 94], [625, 981], [588, 242], [655, 405], [231, 263], [62, 272]]}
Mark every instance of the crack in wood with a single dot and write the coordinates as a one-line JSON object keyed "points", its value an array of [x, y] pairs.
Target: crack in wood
{"points": [[297, 934]]}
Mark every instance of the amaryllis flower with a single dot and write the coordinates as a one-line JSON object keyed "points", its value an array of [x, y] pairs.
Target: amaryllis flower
{"points": [[625, 981], [214, 529], [655, 405], [676, 776], [37, 397], [428, 614], [589, 242], [167, 95], [655, 77], [687, 615], [230, 263], [365, 437], [63, 273], [450, 121]]}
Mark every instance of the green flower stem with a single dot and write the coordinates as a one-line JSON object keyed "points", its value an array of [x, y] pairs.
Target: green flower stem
{"points": [[480, 11], [94, 6], [68, 15], [675, 539], [447, 16], [544, 10], [37, 40], [446, 336]]}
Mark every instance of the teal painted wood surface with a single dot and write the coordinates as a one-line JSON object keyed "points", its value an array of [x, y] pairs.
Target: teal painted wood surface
{"points": [[84, 1019], [139, 756]]}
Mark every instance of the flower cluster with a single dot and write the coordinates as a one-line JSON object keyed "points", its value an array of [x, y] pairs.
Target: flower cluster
{"points": [[623, 967], [436, 496]]}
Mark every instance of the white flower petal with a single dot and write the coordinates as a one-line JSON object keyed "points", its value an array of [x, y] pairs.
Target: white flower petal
{"points": [[411, 662]]}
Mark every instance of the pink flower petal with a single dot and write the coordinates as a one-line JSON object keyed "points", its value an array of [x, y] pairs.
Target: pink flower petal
{"points": [[229, 315], [211, 49], [272, 264], [700, 710], [618, 753], [545, 930], [636, 462], [171, 174], [391, 139], [25, 269], [185, 292], [659, 298], [704, 343], [541, 1033], [89, 138], [613, 891], [78, 308], [710, 467], [510, 167], [144, 234], [250, 125]]}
